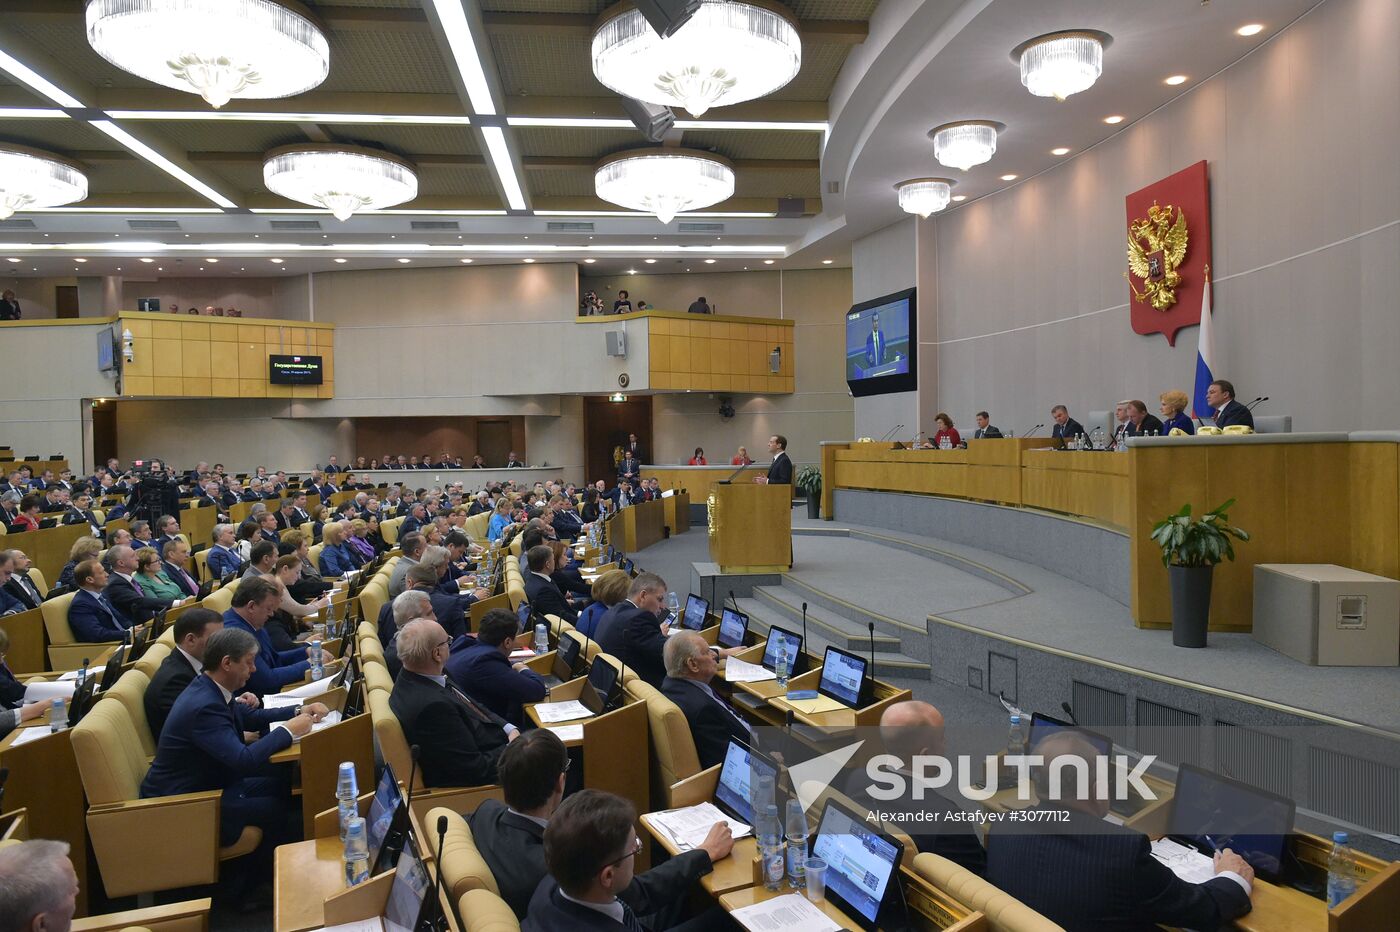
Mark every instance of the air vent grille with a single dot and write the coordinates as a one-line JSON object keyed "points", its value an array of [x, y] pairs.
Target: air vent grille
{"points": [[152, 225], [439, 226], [16, 224], [1173, 734], [1254, 757], [697, 227], [1101, 709], [833, 187], [294, 226], [570, 226], [1363, 791]]}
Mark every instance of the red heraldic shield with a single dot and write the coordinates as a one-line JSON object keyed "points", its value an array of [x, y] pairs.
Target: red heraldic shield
{"points": [[1188, 193]]}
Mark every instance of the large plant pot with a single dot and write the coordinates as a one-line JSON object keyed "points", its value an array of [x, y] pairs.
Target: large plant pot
{"points": [[1190, 604], [814, 505]]}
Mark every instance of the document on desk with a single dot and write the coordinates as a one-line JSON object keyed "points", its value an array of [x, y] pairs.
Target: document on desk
{"points": [[552, 712], [789, 911], [688, 826], [314, 688], [741, 671], [1186, 863], [280, 701], [73, 674], [816, 706], [373, 924], [49, 689], [31, 733], [568, 732]]}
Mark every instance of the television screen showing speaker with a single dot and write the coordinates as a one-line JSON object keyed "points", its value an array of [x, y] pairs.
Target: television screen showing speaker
{"points": [[148, 305], [882, 345], [294, 370]]}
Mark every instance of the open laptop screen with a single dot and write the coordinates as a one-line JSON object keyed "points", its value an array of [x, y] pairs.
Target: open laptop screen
{"points": [[602, 676], [733, 628], [1043, 726], [792, 646], [843, 676], [1212, 811], [741, 770], [410, 889], [696, 611], [859, 862], [382, 812]]}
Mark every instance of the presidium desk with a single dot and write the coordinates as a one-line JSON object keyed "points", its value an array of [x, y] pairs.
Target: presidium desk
{"points": [[1304, 498]]}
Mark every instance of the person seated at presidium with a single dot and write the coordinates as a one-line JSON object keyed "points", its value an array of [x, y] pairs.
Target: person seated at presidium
{"points": [[699, 458], [1174, 413], [459, 740], [946, 432], [1228, 412], [202, 747], [741, 458], [1140, 423], [590, 844], [632, 630], [1090, 873], [985, 430], [484, 672], [1065, 427]]}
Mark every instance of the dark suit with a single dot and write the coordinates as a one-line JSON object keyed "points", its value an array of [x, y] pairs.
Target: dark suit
{"points": [[486, 675], [780, 472], [513, 848], [287, 522], [22, 588], [129, 602], [450, 609], [1149, 426], [634, 637], [1107, 881], [11, 689], [987, 433], [1233, 413], [546, 599], [712, 723], [1070, 428], [201, 748], [568, 524], [661, 888], [173, 675], [459, 742], [222, 561], [180, 577], [275, 669], [875, 346]]}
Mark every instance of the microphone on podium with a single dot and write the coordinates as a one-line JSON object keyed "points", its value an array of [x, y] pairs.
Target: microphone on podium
{"points": [[1258, 401]]}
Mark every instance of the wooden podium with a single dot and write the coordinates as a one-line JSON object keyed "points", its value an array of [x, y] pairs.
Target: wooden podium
{"points": [[751, 527]]}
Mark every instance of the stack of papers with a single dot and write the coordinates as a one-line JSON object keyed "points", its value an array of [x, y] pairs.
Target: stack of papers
{"points": [[524, 653], [552, 712], [332, 718], [741, 671], [688, 826], [31, 733], [789, 911], [568, 732], [280, 701], [314, 688], [39, 691], [73, 674], [1186, 863]]}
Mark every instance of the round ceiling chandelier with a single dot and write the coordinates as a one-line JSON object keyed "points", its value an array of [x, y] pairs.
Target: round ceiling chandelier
{"points": [[343, 179], [1061, 63], [963, 145], [726, 53], [219, 49], [664, 182], [924, 196], [30, 178]]}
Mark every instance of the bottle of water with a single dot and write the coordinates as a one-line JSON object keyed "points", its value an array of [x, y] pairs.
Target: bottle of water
{"points": [[58, 716], [313, 653], [82, 675], [796, 845], [1016, 738], [356, 853], [1341, 870], [770, 847], [780, 664], [541, 638], [347, 793], [764, 793]]}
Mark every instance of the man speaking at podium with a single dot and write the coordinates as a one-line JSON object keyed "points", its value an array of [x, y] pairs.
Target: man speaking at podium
{"points": [[780, 471], [875, 343]]}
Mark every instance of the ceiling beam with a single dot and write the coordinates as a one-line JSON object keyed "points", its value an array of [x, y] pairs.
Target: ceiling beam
{"points": [[581, 25]]}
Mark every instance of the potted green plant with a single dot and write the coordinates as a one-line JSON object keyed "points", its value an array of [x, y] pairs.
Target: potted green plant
{"points": [[809, 480], [1190, 549]]}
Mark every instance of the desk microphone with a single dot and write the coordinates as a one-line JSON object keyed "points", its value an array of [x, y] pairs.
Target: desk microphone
{"points": [[871, 626], [1257, 401], [412, 771], [1069, 712], [438, 916], [742, 467], [1034, 429], [806, 644], [733, 601]]}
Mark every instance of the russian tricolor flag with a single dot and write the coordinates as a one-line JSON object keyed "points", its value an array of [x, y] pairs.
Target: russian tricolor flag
{"points": [[1205, 359]]}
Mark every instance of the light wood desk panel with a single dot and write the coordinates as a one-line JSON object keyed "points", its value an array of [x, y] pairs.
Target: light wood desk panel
{"points": [[1088, 485], [700, 481], [751, 527]]}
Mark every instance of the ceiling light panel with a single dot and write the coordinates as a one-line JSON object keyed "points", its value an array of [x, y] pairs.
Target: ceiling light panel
{"points": [[453, 19]]}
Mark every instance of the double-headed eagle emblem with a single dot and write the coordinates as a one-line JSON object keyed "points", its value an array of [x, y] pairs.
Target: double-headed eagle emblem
{"points": [[1156, 246]]}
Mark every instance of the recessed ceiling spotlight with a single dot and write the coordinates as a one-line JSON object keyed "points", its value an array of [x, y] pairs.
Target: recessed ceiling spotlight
{"points": [[79, 260], [14, 260], [1113, 120], [201, 268], [275, 261], [959, 197], [341, 261], [634, 271], [709, 261], [158, 269], [769, 261], [1060, 150], [148, 261], [1009, 177], [649, 261], [1176, 79], [529, 260], [1252, 29], [469, 261], [212, 261], [586, 261], [405, 261]]}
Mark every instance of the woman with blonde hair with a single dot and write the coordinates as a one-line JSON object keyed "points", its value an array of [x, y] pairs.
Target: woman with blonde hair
{"points": [[84, 548], [335, 559], [608, 589], [1173, 412]]}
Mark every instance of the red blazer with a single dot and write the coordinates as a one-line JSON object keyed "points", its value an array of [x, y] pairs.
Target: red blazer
{"points": [[737, 461], [29, 523], [952, 435], [698, 461]]}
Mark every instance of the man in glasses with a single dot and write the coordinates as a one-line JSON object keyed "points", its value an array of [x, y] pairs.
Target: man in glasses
{"points": [[590, 848]]}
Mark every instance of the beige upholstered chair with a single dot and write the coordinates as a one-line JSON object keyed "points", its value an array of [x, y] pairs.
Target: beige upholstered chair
{"points": [[463, 867], [1004, 912], [673, 755], [484, 911], [65, 651]]}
